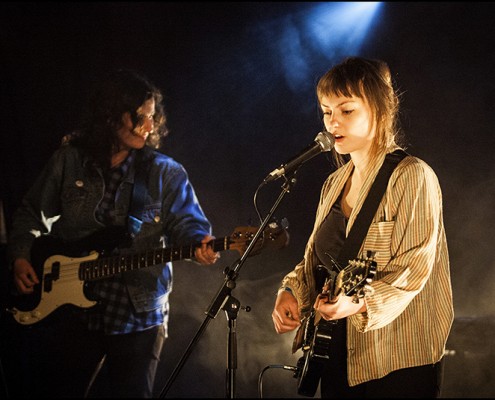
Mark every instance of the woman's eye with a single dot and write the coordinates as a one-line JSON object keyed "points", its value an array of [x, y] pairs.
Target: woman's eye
{"points": [[142, 118], [347, 112]]}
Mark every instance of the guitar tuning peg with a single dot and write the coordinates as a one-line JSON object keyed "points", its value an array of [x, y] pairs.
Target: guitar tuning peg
{"points": [[284, 223]]}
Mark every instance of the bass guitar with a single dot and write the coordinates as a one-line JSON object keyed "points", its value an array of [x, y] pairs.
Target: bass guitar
{"points": [[350, 281], [63, 278]]}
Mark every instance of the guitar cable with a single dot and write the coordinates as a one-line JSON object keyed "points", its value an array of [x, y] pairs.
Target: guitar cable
{"points": [[260, 378]]}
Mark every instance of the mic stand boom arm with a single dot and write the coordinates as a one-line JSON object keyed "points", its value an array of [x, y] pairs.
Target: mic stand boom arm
{"points": [[223, 298]]}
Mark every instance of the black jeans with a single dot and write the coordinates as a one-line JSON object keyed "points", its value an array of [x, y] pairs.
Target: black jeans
{"points": [[416, 382], [59, 359], [413, 383], [130, 364]]}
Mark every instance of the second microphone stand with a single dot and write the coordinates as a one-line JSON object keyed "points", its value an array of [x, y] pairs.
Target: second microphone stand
{"points": [[224, 300]]}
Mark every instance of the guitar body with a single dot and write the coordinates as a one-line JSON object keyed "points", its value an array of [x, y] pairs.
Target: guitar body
{"points": [[58, 274], [350, 281], [316, 352]]}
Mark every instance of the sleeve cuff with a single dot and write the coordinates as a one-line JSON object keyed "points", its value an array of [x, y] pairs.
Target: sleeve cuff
{"points": [[285, 289]]}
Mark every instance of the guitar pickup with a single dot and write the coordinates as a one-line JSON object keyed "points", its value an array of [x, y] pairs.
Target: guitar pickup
{"points": [[322, 357], [323, 336], [52, 276]]}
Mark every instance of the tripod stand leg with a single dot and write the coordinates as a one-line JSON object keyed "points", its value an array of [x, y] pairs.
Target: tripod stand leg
{"points": [[93, 377]]}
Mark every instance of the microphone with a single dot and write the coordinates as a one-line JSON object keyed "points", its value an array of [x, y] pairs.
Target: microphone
{"points": [[324, 141]]}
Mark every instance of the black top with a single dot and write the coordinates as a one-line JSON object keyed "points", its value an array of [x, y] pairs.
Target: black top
{"points": [[330, 236]]}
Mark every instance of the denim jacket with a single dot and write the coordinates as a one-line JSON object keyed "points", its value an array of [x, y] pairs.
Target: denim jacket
{"points": [[63, 200]]}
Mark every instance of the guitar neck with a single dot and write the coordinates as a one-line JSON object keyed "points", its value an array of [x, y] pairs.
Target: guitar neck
{"points": [[110, 266]]}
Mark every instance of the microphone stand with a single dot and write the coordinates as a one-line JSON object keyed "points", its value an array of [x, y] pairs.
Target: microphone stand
{"points": [[224, 300], [231, 309]]}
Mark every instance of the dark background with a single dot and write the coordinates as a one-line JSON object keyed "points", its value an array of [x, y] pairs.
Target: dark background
{"points": [[234, 116]]}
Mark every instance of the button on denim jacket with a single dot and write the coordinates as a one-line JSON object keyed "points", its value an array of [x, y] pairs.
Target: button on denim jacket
{"points": [[63, 201]]}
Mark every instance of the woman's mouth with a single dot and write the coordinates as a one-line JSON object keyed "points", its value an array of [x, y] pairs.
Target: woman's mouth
{"points": [[142, 135]]}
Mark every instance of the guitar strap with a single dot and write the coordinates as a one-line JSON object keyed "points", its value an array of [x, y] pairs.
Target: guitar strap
{"points": [[360, 227], [139, 193]]}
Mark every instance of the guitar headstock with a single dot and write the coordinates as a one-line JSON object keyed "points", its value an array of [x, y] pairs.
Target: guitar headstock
{"points": [[274, 236], [359, 272]]}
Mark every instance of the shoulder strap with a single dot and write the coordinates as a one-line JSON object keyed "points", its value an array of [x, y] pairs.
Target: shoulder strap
{"points": [[360, 227], [138, 194]]}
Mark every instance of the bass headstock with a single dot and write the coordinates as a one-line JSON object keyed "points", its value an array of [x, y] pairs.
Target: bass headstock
{"points": [[274, 237]]}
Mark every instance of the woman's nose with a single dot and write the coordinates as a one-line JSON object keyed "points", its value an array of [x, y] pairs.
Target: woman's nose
{"points": [[149, 125], [331, 123]]}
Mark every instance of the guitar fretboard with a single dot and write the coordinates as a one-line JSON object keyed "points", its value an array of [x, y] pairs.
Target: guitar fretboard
{"points": [[110, 266]]}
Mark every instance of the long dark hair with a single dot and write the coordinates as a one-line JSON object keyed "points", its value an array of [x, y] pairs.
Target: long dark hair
{"points": [[121, 91]]}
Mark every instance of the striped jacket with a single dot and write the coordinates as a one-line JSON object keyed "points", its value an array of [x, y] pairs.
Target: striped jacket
{"points": [[409, 302]]}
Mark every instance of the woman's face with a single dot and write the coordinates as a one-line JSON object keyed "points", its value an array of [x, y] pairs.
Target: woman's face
{"points": [[135, 137], [350, 121]]}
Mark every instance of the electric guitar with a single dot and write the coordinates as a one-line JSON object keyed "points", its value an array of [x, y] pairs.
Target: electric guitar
{"points": [[350, 281], [63, 278]]}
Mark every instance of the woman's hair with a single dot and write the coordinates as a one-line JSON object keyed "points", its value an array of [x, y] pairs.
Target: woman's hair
{"points": [[370, 80], [122, 91]]}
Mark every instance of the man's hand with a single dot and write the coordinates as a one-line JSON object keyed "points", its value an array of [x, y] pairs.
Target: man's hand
{"points": [[205, 254], [24, 276]]}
